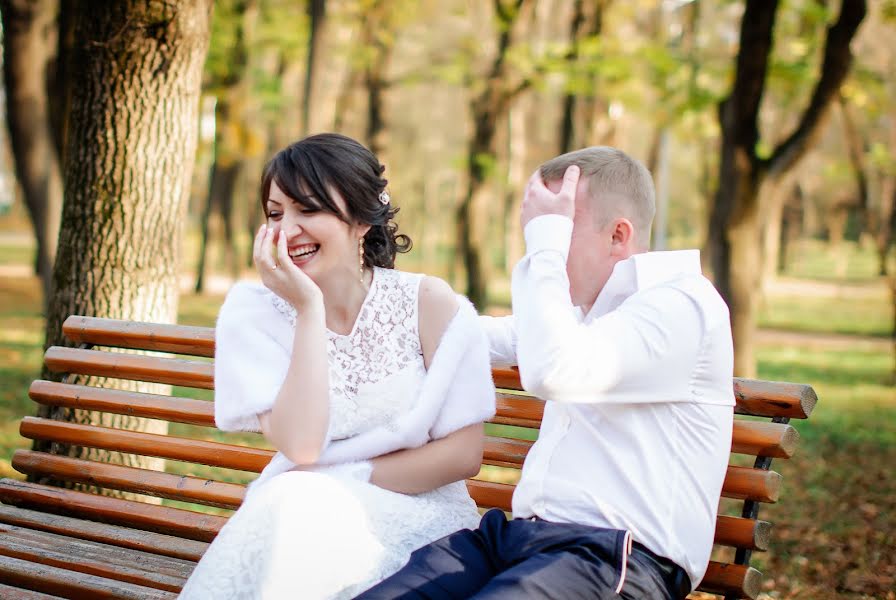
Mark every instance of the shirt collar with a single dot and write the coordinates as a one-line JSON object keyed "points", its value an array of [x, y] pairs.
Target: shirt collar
{"points": [[643, 271]]}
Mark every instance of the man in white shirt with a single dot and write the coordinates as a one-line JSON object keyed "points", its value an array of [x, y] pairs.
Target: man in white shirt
{"points": [[632, 352]]}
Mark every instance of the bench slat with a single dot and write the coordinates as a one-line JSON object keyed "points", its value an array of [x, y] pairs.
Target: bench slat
{"points": [[117, 511], [124, 537], [215, 454], [138, 367], [71, 584], [755, 438], [490, 494], [761, 438], [730, 531], [11, 593], [746, 483], [740, 482], [111, 562], [738, 532], [522, 411], [178, 339], [774, 398], [727, 578], [752, 396], [130, 479], [137, 404]]}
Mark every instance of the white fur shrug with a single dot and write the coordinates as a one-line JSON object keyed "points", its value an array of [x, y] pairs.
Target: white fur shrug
{"points": [[253, 346]]}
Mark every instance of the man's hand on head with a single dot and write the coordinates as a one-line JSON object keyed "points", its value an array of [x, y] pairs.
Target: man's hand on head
{"points": [[539, 200]]}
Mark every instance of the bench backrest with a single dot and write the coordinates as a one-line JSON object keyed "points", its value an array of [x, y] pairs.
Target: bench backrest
{"points": [[236, 457]]}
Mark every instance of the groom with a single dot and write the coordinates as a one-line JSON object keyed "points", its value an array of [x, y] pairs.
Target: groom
{"points": [[632, 352]]}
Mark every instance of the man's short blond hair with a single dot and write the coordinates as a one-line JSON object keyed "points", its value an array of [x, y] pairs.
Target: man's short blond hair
{"points": [[619, 185]]}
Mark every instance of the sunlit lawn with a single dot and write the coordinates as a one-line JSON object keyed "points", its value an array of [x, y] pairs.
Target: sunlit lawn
{"points": [[835, 533]]}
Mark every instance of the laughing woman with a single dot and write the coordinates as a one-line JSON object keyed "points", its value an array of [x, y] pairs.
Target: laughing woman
{"points": [[372, 384]]}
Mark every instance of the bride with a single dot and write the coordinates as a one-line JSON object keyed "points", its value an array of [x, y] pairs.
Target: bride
{"points": [[372, 384]]}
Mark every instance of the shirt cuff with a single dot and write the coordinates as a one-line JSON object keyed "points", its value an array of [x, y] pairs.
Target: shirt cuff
{"points": [[548, 232]]}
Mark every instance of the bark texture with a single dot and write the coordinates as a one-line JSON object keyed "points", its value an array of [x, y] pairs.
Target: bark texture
{"points": [[736, 219], [129, 154], [29, 55]]}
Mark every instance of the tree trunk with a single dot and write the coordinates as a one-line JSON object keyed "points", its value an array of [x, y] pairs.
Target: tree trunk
{"points": [[317, 18], [734, 238], [232, 144], [129, 155], [856, 147], [577, 121], [377, 41], [479, 152], [29, 48], [488, 106], [222, 187], [887, 214]]}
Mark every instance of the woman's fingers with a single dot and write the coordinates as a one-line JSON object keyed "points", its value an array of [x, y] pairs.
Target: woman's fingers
{"points": [[256, 244], [282, 252]]}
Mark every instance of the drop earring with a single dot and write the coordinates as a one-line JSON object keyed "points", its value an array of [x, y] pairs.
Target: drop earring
{"points": [[361, 260]]}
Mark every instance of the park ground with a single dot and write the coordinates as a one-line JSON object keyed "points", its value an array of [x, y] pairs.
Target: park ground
{"points": [[826, 322]]}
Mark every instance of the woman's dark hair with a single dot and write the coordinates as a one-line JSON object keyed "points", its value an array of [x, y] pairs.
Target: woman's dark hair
{"points": [[306, 169]]}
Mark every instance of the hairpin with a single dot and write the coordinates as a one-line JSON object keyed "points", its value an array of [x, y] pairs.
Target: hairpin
{"points": [[384, 197]]}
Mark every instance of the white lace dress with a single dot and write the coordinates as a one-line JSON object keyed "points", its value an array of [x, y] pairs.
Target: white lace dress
{"points": [[329, 533]]}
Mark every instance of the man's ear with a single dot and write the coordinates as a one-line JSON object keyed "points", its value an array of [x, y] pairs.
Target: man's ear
{"points": [[623, 236]]}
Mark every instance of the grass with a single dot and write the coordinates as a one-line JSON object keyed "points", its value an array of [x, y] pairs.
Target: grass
{"points": [[865, 315], [835, 529]]}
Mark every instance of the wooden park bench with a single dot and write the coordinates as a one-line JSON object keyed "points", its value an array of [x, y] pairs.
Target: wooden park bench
{"points": [[57, 542]]}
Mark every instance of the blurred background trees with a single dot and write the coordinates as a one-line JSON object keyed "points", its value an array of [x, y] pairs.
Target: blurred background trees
{"points": [[765, 123]]}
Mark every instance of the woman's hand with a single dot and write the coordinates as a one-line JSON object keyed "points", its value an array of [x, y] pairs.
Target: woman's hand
{"points": [[280, 275]]}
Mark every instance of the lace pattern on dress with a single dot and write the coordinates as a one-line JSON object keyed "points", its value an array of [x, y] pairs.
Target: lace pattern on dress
{"points": [[376, 369]]}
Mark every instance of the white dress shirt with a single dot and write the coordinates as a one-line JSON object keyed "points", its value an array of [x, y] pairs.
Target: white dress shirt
{"points": [[637, 426]]}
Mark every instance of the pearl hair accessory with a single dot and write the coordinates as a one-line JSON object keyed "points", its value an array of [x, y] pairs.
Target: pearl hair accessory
{"points": [[384, 197]]}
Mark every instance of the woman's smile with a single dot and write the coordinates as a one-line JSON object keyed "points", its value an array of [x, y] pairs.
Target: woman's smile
{"points": [[303, 253]]}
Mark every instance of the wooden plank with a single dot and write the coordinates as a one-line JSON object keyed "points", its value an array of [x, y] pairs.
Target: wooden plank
{"points": [[94, 558], [774, 398], [117, 511], [114, 535], [136, 404], [137, 367], [179, 339], [738, 532], [729, 579], [522, 411], [746, 483], [131, 479], [761, 438], [215, 454], [71, 584], [505, 452], [10, 593], [508, 379], [730, 531], [489, 494]]}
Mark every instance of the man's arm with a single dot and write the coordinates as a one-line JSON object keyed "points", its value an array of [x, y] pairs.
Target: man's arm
{"points": [[501, 335], [656, 335]]}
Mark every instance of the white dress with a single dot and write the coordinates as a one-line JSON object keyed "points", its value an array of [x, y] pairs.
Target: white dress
{"points": [[328, 533]]}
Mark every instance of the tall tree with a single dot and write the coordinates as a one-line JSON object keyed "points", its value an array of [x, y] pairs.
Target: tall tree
{"points": [[231, 86], [29, 53], [582, 94], [735, 226], [491, 98], [129, 153], [317, 26]]}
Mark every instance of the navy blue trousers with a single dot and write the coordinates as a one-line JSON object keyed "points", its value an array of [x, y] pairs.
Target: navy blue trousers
{"points": [[532, 559]]}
